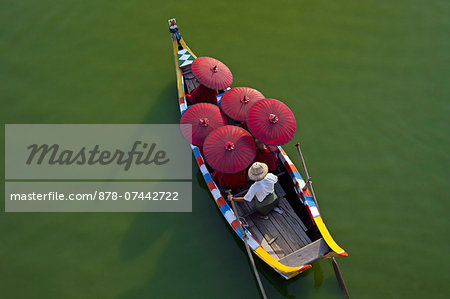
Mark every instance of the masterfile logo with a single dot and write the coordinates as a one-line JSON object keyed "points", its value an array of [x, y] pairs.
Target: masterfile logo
{"points": [[140, 153], [97, 168]]}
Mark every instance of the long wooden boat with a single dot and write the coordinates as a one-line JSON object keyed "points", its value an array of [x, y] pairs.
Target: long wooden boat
{"points": [[287, 242]]}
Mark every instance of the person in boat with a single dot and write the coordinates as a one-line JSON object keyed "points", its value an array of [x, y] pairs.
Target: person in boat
{"points": [[230, 180], [203, 94], [265, 155], [262, 191]]}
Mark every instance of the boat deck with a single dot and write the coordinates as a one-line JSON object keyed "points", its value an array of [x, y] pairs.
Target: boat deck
{"points": [[282, 234]]}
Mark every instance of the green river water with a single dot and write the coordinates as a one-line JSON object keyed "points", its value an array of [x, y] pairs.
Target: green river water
{"points": [[368, 82]]}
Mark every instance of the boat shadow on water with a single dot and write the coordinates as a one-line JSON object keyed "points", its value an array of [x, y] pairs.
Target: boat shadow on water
{"points": [[163, 110]]}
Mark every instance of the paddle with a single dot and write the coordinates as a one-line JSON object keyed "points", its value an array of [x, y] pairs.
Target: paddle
{"points": [[336, 269], [247, 247]]}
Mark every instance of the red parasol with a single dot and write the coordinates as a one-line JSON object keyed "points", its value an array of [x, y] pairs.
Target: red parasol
{"points": [[212, 73], [204, 118], [229, 149], [271, 121], [236, 102]]}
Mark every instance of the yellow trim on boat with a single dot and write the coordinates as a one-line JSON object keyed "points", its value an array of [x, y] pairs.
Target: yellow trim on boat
{"points": [[177, 69], [186, 47], [328, 238]]}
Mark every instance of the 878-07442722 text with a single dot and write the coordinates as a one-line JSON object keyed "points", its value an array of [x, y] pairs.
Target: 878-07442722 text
{"points": [[97, 195]]}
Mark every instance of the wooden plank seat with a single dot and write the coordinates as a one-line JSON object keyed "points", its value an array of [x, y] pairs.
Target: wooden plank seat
{"points": [[307, 254]]}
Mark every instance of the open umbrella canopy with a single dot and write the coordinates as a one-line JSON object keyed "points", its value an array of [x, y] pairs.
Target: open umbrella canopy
{"points": [[271, 121], [229, 149], [237, 101], [204, 118], [212, 73]]}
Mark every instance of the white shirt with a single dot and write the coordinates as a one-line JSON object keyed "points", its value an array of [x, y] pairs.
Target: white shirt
{"points": [[262, 188]]}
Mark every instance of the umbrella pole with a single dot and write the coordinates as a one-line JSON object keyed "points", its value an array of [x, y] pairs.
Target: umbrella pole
{"points": [[336, 269], [247, 247]]}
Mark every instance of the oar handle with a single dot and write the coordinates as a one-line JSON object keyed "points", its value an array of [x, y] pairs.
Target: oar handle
{"points": [[247, 247]]}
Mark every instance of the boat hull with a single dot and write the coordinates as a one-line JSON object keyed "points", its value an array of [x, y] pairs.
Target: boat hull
{"points": [[182, 53]]}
